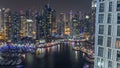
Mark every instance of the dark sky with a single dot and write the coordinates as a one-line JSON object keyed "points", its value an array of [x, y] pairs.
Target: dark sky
{"points": [[58, 5]]}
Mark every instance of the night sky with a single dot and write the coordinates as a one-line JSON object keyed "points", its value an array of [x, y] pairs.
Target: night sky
{"points": [[58, 5]]}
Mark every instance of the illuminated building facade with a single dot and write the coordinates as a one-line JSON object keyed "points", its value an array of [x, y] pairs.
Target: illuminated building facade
{"points": [[107, 34], [54, 23], [75, 23], [48, 14], [46, 23], [7, 24], [29, 23], [70, 15], [75, 26], [61, 24], [16, 27], [23, 24], [40, 26], [66, 30], [1, 20], [92, 21]]}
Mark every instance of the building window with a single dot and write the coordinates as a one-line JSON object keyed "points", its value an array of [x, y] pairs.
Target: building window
{"points": [[118, 18], [118, 65], [110, 6], [100, 63], [100, 40], [109, 42], [110, 64], [101, 29], [100, 18], [109, 53], [118, 5], [118, 56], [101, 8], [118, 30], [109, 18], [109, 29], [117, 45], [101, 0], [100, 51]]}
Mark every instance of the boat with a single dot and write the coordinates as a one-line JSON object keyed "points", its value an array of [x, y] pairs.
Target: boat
{"points": [[76, 48]]}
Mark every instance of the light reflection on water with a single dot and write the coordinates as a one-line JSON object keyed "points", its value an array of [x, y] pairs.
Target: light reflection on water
{"points": [[40, 51], [76, 55], [49, 49], [58, 47], [60, 56]]}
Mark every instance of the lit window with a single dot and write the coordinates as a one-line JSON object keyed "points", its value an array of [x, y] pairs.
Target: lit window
{"points": [[100, 63], [117, 45]]}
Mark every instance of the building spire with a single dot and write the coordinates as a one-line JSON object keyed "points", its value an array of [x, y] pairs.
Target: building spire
{"points": [[48, 3]]}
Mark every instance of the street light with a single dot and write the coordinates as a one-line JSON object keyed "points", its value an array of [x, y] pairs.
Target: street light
{"points": [[87, 17]]}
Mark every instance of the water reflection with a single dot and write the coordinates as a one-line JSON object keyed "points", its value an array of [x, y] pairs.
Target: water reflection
{"points": [[49, 49], [76, 55], [40, 52], [59, 56], [58, 47]]}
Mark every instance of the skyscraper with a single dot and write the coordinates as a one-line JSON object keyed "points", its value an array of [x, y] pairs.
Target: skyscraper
{"points": [[75, 25], [107, 34], [23, 24], [92, 20], [45, 22], [54, 23], [61, 24], [29, 23], [16, 27], [1, 20], [7, 23], [48, 20], [40, 25]]}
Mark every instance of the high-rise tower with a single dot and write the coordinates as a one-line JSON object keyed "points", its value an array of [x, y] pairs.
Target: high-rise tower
{"points": [[1, 20], [61, 24], [107, 34], [16, 27]]}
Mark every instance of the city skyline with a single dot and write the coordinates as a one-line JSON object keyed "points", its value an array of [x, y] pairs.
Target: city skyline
{"points": [[59, 5], [49, 33]]}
